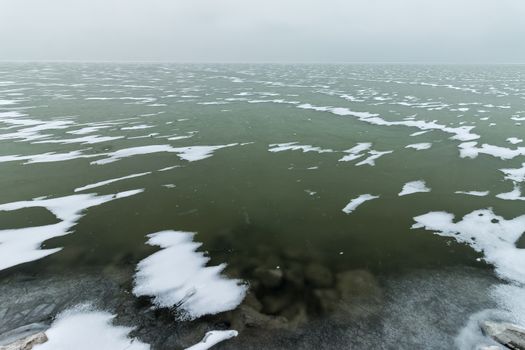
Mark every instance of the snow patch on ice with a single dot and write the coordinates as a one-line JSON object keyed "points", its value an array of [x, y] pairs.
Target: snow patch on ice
{"points": [[514, 140], [177, 275], [82, 329], [414, 187]]}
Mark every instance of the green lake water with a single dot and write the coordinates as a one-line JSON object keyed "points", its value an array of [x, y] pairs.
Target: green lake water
{"points": [[256, 209]]}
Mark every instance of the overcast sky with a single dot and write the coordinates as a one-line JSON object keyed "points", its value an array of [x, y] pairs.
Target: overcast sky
{"points": [[464, 31]]}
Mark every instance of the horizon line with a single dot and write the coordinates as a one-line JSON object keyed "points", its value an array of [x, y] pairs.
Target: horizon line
{"points": [[263, 62]]}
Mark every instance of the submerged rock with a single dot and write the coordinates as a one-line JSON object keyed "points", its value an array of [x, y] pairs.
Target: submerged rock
{"points": [[510, 335], [252, 301], [318, 275], [326, 300], [360, 293], [356, 283], [296, 314], [294, 275], [247, 317], [270, 278], [275, 302]]}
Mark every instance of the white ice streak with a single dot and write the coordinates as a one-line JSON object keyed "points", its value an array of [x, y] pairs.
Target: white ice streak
{"points": [[137, 100], [414, 187], [8, 102], [88, 129], [356, 151], [88, 330], [419, 146], [194, 153], [181, 137], [514, 140], [107, 182], [354, 203], [471, 150], [417, 133], [515, 174], [514, 195], [169, 168], [212, 338], [48, 157], [137, 127], [21, 245], [31, 129], [191, 153], [461, 133], [84, 140], [474, 193], [293, 146], [177, 275], [373, 155]]}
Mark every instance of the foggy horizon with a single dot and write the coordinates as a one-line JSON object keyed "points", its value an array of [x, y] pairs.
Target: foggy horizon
{"points": [[233, 31]]}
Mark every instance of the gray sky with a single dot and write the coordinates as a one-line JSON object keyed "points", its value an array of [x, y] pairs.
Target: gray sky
{"points": [[465, 31]]}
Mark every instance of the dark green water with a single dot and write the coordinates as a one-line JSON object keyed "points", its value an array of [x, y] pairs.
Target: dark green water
{"points": [[251, 207]]}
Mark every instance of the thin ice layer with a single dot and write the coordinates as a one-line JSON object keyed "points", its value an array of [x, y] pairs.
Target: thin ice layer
{"points": [[177, 275]]}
